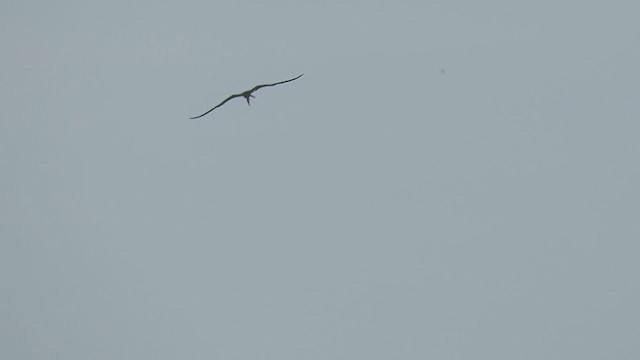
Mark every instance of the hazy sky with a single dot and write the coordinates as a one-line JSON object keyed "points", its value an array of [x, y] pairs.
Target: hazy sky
{"points": [[376, 208]]}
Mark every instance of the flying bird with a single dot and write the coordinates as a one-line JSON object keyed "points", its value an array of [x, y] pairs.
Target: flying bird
{"points": [[246, 94]]}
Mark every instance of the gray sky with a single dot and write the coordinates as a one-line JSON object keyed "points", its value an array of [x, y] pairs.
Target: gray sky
{"points": [[373, 209]]}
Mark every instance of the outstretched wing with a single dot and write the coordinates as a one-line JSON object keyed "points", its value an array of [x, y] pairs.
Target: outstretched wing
{"points": [[217, 106], [274, 84]]}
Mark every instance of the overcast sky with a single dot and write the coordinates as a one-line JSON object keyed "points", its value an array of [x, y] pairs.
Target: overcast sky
{"points": [[448, 180]]}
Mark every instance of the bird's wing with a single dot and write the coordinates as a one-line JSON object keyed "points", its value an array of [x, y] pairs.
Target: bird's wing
{"points": [[274, 84], [217, 106]]}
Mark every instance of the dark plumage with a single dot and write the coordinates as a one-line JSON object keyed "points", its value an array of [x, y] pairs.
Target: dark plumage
{"points": [[246, 94]]}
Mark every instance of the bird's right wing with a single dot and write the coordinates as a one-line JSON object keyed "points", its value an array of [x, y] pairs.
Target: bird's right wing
{"points": [[276, 83], [217, 106]]}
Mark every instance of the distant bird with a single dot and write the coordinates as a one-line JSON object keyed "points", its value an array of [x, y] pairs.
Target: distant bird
{"points": [[246, 94]]}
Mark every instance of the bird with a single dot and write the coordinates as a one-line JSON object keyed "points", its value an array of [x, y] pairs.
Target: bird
{"points": [[246, 94]]}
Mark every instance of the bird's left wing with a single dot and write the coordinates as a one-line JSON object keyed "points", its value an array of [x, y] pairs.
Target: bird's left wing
{"points": [[217, 106]]}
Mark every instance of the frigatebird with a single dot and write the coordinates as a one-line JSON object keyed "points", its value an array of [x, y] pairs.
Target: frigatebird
{"points": [[246, 94]]}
